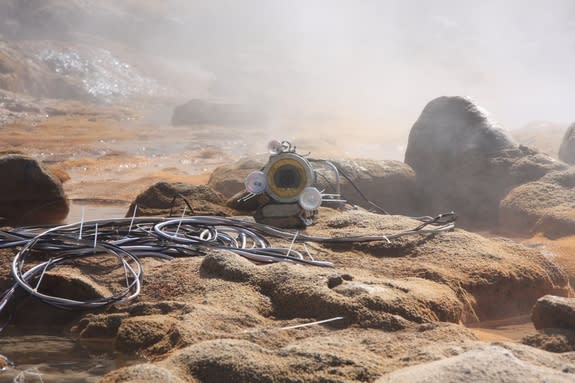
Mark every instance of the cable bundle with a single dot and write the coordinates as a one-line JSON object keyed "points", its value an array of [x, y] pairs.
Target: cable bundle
{"points": [[127, 240]]}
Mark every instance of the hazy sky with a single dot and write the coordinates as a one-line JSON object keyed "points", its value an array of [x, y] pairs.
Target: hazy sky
{"points": [[376, 62], [384, 60]]}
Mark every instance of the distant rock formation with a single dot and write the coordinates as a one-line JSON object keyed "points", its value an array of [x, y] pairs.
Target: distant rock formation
{"points": [[567, 149], [29, 193], [201, 112], [464, 162]]}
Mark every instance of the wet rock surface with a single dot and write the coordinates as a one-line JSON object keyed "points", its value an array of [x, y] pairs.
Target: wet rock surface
{"points": [[466, 163], [220, 317], [383, 292]]}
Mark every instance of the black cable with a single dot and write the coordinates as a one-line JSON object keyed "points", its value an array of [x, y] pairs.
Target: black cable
{"points": [[127, 240], [352, 183]]}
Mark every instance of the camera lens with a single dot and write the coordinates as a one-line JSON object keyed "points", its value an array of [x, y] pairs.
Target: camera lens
{"points": [[287, 177]]}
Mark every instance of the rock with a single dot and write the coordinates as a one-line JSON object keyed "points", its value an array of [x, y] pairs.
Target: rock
{"points": [[148, 335], [567, 148], [202, 112], [543, 206], [229, 179], [465, 163], [552, 339], [388, 184], [344, 356], [554, 312], [488, 363], [453, 277], [100, 326], [164, 198], [23, 72], [493, 277], [392, 304], [29, 193], [143, 373]]}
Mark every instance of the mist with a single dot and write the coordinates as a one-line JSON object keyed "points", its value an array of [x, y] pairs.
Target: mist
{"points": [[367, 66], [380, 62]]}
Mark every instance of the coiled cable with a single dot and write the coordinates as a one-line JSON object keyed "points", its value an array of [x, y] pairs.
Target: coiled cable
{"points": [[127, 240]]}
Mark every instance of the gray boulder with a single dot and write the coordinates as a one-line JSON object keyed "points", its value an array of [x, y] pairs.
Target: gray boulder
{"points": [[464, 162], [567, 148], [29, 194], [552, 311]]}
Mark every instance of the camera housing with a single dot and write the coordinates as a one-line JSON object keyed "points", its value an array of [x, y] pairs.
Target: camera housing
{"points": [[285, 187]]}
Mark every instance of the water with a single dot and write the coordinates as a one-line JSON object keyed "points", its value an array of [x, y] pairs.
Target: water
{"points": [[51, 357]]}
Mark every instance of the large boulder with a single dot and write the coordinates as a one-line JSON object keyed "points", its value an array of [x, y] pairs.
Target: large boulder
{"points": [[388, 184], [464, 162], [544, 206], [567, 148], [29, 194], [554, 312]]}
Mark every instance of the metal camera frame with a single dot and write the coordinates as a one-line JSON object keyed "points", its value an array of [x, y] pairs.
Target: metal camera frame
{"points": [[286, 185]]}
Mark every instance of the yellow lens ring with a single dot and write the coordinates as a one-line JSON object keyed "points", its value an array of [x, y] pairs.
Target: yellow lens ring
{"points": [[288, 174]]}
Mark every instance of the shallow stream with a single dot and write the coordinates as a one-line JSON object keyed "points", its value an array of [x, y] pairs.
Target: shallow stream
{"points": [[50, 356]]}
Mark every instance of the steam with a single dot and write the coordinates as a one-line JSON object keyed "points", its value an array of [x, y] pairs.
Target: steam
{"points": [[366, 66], [379, 62]]}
